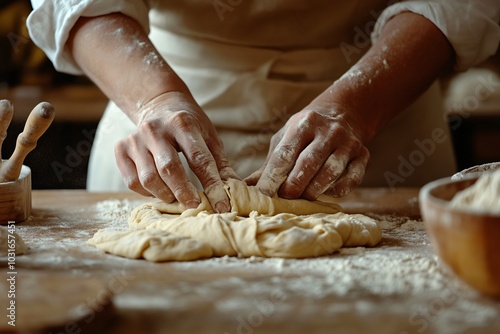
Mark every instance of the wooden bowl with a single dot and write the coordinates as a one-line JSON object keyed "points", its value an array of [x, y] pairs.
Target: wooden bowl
{"points": [[15, 198], [466, 241]]}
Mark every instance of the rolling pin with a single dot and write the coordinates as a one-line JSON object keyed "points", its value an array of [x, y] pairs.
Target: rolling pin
{"points": [[37, 123]]}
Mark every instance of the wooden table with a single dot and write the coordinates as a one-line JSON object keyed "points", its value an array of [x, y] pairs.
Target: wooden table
{"points": [[65, 286]]}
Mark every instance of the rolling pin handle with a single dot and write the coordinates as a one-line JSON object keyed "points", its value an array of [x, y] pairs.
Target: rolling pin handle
{"points": [[38, 121]]}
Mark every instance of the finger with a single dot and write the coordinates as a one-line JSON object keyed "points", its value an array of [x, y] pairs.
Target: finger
{"points": [[150, 178], [253, 178], [216, 147], [352, 177], [280, 163], [202, 163], [128, 170], [310, 161], [6, 113], [333, 168], [162, 168], [171, 171], [327, 175]]}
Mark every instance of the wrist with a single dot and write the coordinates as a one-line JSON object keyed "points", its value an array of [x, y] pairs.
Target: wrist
{"points": [[341, 104], [165, 102]]}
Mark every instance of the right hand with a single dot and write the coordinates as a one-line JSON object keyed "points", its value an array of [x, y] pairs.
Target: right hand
{"points": [[148, 158]]}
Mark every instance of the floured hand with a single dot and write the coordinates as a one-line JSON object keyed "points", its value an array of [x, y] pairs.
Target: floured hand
{"points": [[318, 151], [148, 158]]}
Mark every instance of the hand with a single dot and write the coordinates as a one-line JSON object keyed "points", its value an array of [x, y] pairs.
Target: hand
{"points": [[148, 158], [319, 150]]}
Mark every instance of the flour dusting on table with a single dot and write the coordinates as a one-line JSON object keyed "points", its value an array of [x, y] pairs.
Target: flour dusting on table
{"points": [[397, 287]]}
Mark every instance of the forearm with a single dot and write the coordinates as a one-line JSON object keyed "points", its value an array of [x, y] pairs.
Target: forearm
{"points": [[114, 51], [408, 56]]}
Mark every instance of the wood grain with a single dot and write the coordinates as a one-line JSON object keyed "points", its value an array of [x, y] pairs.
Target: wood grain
{"points": [[383, 288], [15, 198], [58, 303]]}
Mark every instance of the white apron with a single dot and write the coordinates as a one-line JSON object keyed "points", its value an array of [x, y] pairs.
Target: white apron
{"points": [[250, 92]]}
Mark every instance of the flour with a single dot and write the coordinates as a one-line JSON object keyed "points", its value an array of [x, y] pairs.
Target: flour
{"points": [[356, 77], [386, 64], [413, 285], [116, 212], [152, 58], [399, 286], [50, 238], [483, 196]]}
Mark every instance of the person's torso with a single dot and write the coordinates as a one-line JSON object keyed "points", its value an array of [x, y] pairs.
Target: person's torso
{"points": [[275, 24]]}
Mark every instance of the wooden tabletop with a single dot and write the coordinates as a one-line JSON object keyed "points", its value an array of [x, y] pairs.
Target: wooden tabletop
{"points": [[64, 285]]}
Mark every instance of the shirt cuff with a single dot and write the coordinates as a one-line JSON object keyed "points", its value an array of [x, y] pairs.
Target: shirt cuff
{"points": [[472, 27], [50, 23]]}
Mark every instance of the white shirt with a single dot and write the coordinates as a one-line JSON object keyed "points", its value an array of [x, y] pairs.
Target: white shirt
{"points": [[472, 27], [230, 51]]}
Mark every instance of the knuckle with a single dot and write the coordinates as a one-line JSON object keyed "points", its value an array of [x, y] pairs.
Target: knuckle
{"points": [[132, 183], [334, 166], [355, 175], [148, 126], [365, 154], [284, 152], [121, 147], [199, 159], [308, 120], [167, 167], [342, 136], [182, 119], [147, 179], [310, 115]]}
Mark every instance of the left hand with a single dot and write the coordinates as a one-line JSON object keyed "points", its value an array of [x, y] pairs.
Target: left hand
{"points": [[322, 149], [319, 150]]}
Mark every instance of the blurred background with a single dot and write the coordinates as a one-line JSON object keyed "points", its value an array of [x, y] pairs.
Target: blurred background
{"points": [[27, 77], [472, 102]]}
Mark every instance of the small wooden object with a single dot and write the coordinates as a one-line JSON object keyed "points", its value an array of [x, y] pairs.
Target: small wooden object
{"points": [[15, 178], [38, 121], [466, 241], [15, 198]]}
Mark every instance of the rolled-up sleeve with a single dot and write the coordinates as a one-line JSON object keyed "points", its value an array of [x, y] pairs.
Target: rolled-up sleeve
{"points": [[51, 21], [472, 27]]}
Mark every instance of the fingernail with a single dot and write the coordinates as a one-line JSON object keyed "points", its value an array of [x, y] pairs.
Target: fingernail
{"points": [[221, 207], [192, 204]]}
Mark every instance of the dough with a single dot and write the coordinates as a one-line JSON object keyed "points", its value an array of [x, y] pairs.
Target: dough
{"points": [[153, 245], [4, 242], [280, 228], [245, 199], [484, 195]]}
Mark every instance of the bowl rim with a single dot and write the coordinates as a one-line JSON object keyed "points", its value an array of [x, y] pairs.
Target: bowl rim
{"points": [[425, 196], [25, 172]]}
